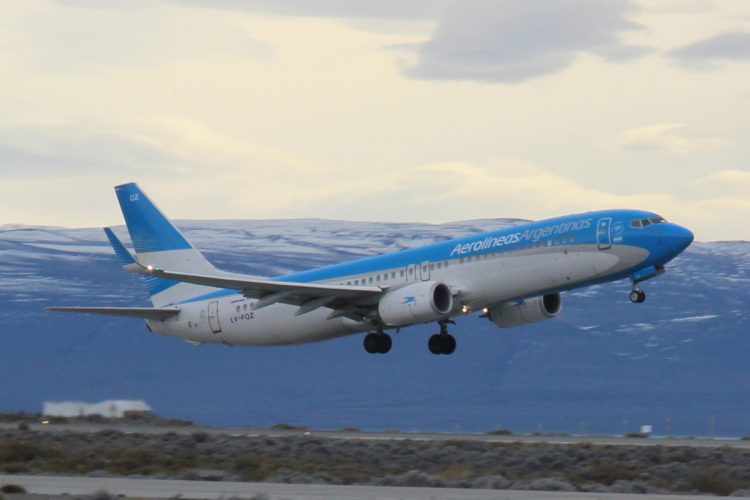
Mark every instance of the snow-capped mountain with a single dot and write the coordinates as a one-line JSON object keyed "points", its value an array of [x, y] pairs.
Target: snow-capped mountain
{"points": [[677, 362]]}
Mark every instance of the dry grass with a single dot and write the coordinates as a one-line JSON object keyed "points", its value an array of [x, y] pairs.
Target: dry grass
{"points": [[309, 459]]}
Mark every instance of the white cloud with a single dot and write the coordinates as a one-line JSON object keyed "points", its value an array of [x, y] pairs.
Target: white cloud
{"points": [[734, 177], [514, 40], [669, 137], [707, 53]]}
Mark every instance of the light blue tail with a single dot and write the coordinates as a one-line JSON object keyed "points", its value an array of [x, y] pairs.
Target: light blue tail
{"points": [[159, 243]]}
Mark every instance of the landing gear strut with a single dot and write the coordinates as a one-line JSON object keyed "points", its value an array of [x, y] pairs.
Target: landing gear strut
{"points": [[443, 342], [377, 343], [637, 296]]}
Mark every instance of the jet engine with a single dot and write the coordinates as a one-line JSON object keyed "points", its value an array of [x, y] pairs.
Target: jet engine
{"points": [[508, 314], [417, 303]]}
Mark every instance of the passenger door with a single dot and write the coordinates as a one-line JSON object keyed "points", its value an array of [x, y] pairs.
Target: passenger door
{"points": [[604, 233], [213, 317]]}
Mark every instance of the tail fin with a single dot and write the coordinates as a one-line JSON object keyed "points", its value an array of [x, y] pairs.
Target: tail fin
{"points": [[159, 243]]}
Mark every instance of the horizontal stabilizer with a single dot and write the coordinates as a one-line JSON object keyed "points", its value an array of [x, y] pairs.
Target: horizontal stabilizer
{"points": [[131, 312], [122, 253]]}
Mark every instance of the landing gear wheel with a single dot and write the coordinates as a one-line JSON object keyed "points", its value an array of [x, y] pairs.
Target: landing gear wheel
{"points": [[385, 343], [377, 343], [371, 343], [435, 344], [449, 344], [442, 343], [637, 296]]}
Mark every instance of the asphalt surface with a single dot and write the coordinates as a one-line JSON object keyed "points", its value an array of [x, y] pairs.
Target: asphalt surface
{"points": [[390, 436], [157, 488]]}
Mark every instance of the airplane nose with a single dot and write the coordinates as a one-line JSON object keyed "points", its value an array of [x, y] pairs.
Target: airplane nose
{"points": [[681, 238]]}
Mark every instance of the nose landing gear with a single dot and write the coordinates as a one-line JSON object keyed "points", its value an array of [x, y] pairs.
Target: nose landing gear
{"points": [[443, 342], [637, 296]]}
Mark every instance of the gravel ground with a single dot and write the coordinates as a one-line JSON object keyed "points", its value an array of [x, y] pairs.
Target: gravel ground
{"points": [[312, 460]]}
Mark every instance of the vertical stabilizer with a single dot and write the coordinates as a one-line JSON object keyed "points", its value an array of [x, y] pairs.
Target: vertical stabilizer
{"points": [[157, 242]]}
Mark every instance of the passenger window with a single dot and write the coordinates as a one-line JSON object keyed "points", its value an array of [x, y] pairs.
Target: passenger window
{"points": [[238, 308], [432, 266], [401, 273], [636, 224], [393, 275], [370, 279], [645, 222], [411, 270]]}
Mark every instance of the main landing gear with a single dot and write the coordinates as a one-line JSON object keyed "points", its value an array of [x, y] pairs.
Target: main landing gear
{"points": [[377, 343], [637, 296], [443, 342]]}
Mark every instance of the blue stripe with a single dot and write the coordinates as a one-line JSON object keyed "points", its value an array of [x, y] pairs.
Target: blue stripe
{"points": [[484, 243]]}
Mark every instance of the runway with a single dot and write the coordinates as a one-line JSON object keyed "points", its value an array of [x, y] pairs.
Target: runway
{"points": [[157, 488], [390, 436]]}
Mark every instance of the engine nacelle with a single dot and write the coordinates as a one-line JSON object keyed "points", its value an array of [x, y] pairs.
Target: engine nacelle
{"points": [[417, 303], [508, 315]]}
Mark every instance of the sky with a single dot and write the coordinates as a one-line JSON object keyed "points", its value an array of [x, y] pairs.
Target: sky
{"points": [[418, 111]]}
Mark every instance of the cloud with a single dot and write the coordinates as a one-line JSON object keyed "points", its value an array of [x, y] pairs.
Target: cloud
{"points": [[511, 41], [350, 9], [735, 180], [722, 48], [59, 150], [670, 137]]}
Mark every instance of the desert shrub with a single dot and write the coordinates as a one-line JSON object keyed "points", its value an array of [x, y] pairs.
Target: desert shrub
{"points": [[713, 481], [255, 468], [12, 489], [350, 429], [23, 451], [24, 427], [607, 473], [200, 437], [500, 432], [134, 460]]}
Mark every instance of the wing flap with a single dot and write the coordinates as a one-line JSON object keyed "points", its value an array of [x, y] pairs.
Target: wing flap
{"points": [[130, 312]]}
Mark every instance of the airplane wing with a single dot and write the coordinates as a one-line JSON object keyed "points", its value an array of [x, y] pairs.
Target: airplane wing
{"points": [[349, 301], [132, 312]]}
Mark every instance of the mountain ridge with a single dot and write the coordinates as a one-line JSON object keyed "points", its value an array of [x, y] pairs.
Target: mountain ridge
{"points": [[605, 366]]}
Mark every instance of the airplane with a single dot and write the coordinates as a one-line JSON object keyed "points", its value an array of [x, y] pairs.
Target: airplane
{"points": [[512, 277]]}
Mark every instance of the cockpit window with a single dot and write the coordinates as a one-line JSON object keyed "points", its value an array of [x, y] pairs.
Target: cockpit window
{"points": [[641, 223]]}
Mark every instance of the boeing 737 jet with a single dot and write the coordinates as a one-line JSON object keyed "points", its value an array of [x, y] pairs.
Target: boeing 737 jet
{"points": [[512, 277]]}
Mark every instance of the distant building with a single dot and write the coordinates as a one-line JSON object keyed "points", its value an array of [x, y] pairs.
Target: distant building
{"points": [[107, 409]]}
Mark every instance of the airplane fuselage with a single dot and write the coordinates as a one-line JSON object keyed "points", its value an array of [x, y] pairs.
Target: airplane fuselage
{"points": [[482, 270]]}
